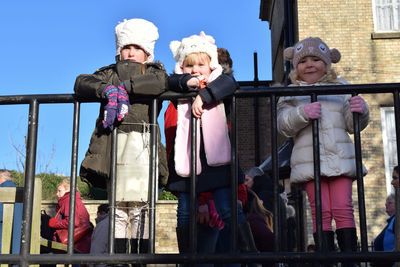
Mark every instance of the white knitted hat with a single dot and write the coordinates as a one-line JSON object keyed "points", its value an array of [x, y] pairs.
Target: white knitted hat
{"points": [[138, 32], [194, 44]]}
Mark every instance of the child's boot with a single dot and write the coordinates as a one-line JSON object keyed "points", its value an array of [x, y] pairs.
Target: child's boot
{"points": [[347, 240]]}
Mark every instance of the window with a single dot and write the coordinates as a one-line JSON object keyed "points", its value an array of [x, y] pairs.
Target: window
{"points": [[389, 144], [386, 15]]}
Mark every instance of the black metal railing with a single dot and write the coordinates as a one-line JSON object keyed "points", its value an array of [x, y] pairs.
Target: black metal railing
{"points": [[248, 90]]}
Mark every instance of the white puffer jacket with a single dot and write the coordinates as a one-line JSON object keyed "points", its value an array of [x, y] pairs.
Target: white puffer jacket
{"points": [[337, 154]]}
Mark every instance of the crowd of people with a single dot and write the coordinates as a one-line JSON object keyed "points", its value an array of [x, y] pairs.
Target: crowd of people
{"points": [[124, 88]]}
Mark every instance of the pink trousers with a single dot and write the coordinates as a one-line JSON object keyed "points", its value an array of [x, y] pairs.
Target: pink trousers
{"points": [[336, 200]]}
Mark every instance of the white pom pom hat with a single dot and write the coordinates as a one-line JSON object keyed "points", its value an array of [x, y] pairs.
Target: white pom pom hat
{"points": [[194, 44], [137, 32]]}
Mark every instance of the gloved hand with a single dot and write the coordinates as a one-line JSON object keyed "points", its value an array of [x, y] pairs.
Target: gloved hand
{"points": [[203, 215], [215, 220], [123, 102], [313, 110], [52, 222], [110, 110], [357, 104]]}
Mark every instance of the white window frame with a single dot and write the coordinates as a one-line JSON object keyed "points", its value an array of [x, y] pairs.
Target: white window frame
{"points": [[389, 144], [394, 22]]}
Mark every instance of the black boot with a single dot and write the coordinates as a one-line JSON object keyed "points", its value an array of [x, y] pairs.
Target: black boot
{"points": [[142, 247], [120, 246], [347, 240], [182, 235], [245, 238], [328, 243]]}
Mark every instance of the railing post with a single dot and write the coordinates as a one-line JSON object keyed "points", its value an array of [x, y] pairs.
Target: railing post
{"points": [[360, 182], [317, 183], [153, 174], [74, 160], [234, 181], [29, 186]]}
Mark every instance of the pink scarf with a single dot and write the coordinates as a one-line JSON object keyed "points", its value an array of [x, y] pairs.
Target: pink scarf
{"points": [[215, 135]]}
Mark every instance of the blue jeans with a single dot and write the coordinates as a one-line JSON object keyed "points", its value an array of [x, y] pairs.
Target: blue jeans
{"points": [[209, 237]]}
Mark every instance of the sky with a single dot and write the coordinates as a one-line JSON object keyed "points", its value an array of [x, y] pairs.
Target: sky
{"points": [[46, 44]]}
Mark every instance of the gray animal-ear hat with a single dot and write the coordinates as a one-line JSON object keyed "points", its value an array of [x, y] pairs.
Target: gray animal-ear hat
{"points": [[312, 46]]}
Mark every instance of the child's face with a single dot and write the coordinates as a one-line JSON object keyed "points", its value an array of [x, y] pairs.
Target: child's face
{"points": [[61, 191], [133, 53], [197, 66], [310, 69]]}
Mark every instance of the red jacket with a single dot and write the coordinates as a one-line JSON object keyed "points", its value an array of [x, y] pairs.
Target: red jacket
{"points": [[83, 245]]}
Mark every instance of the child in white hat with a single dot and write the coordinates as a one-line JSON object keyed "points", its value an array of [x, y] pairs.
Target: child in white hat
{"points": [[312, 60], [120, 88], [197, 69]]}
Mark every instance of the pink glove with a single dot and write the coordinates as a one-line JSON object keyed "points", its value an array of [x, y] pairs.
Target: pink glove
{"points": [[313, 110], [357, 104], [215, 220]]}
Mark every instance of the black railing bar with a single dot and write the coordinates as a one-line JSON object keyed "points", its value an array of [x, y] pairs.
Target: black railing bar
{"points": [[397, 196], [275, 172], [242, 92], [256, 114], [360, 181], [234, 181], [254, 84], [153, 174], [29, 185], [112, 196], [317, 183], [193, 184], [74, 163], [284, 257], [320, 90]]}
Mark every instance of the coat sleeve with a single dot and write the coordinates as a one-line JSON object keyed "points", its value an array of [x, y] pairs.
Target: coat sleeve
{"points": [[291, 116], [153, 81], [223, 86], [178, 82], [92, 85], [348, 116], [63, 220]]}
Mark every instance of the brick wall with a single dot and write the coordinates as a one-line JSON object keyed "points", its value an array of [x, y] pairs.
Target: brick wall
{"points": [[165, 221]]}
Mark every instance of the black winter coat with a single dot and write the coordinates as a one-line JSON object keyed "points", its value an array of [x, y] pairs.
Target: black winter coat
{"points": [[142, 82]]}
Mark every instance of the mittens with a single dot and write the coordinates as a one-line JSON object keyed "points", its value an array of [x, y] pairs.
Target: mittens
{"points": [[357, 104], [52, 222], [313, 110], [123, 102], [117, 106], [111, 109], [215, 220]]}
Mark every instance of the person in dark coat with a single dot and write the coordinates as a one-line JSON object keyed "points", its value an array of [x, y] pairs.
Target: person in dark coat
{"points": [[261, 223], [127, 90], [62, 220]]}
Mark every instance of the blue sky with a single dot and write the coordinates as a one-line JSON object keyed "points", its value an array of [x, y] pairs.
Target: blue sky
{"points": [[46, 44]]}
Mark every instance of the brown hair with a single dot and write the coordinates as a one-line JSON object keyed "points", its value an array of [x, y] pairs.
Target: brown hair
{"points": [[254, 206]]}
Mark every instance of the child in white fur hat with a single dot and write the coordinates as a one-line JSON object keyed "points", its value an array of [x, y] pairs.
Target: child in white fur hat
{"points": [[197, 69], [312, 60], [119, 87]]}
